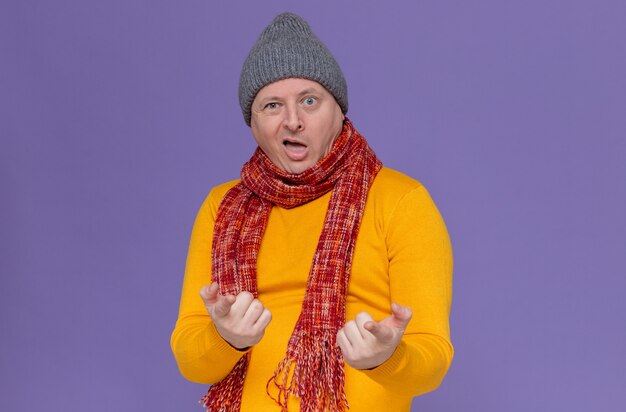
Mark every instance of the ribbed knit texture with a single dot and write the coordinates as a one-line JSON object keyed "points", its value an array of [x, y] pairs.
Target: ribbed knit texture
{"points": [[312, 356], [288, 48]]}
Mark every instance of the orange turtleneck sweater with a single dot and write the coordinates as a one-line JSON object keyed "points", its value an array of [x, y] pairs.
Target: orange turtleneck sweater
{"points": [[402, 255]]}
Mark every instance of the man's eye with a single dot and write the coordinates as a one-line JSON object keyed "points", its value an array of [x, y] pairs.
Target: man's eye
{"points": [[271, 106], [309, 101]]}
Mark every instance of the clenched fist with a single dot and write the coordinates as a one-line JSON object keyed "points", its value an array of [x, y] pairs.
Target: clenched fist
{"points": [[241, 320]]}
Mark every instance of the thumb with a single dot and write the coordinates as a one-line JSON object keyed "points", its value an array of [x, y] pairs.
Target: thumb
{"points": [[216, 304], [400, 316], [209, 294]]}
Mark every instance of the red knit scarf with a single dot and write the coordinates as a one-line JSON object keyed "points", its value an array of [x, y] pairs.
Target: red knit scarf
{"points": [[312, 354]]}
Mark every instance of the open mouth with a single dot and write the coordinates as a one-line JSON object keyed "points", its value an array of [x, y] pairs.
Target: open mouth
{"points": [[293, 145], [295, 150]]}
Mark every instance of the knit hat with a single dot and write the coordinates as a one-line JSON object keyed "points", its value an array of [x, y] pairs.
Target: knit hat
{"points": [[288, 48]]}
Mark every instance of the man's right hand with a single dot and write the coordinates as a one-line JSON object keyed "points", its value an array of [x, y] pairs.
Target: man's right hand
{"points": [[241, 320]]}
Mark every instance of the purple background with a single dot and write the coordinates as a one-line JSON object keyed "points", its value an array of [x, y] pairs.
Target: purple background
{"points": [[117, 117]]}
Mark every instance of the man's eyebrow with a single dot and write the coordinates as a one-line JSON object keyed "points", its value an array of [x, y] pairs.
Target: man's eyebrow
{"points": [[270, 98], [304, 92], [308, 91]]}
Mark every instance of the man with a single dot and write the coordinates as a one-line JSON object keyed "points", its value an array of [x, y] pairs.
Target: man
{"points": [[330, 275]]}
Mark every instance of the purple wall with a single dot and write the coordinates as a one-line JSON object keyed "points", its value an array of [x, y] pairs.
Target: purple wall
{"points": [[117, 117]]}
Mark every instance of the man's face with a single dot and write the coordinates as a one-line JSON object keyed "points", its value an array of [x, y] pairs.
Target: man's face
{"points": [[295, 122]]}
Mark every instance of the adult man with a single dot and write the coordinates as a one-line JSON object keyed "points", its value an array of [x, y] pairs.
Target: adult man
{"points": [[316, 233]]}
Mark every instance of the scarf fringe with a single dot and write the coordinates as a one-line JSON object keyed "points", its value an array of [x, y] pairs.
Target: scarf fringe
{"points": [[225, 396], [313, 367], [318, 377]]}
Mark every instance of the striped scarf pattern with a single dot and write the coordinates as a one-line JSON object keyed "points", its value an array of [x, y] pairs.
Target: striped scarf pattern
{"points": [[312, 360]]}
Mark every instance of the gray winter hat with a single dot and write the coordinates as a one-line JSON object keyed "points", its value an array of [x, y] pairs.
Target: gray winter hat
{"points": [[288, 48]]}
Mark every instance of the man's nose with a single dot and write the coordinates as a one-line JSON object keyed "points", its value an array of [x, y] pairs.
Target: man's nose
{"points": [[293, 119]]}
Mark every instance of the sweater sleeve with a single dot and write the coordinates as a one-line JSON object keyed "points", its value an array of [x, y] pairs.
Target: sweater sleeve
{"points": [[202, 355], [420, 276]]}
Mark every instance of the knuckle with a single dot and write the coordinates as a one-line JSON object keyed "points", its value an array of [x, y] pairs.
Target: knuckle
{"points": [[239, 329], [256, 332]]}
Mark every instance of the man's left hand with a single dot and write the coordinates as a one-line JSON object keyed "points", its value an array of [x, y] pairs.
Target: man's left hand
{"points": [[366, 344]]}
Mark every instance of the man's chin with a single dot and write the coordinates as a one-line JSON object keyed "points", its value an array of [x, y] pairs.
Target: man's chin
{"points": [[295, 168]]}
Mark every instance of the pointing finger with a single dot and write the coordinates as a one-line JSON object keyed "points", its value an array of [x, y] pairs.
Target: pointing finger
{"points": [[380, 332], [223, 305], [216, 304], [362, 318]]}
